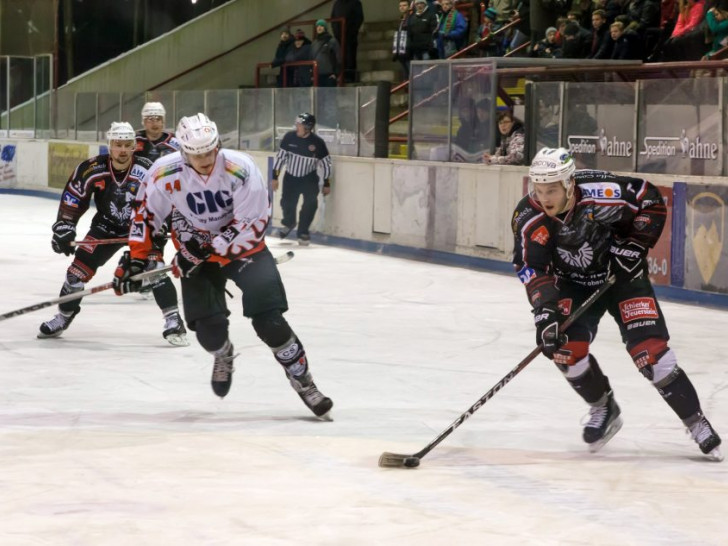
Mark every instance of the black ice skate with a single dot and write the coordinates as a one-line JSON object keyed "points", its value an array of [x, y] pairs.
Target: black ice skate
{"points": [[304, 240], [604, 422], [282, 232], [705, 436], [174, 330], [319, 404], [222, 370], [57, 325]]}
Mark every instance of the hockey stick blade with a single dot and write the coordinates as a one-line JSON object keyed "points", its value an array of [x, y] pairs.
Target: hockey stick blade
{"points": [[396, 460]]}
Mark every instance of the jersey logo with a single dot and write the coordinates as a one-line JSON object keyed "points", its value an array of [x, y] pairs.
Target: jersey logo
{"points": [[582, 258], [638, 308], [70, 201], [138, 172], [525, 274], [603, 190], [136, 232], [565, 306], [540, 236], [209, 201]]}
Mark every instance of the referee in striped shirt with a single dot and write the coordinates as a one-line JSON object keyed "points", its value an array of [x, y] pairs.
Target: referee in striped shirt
{"points": [[301, 152]]}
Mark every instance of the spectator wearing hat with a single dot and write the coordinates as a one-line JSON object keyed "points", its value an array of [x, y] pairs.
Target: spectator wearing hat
{"points": [[490, 46], [281, 51], [547, 48], [353, 13], [299, 76], [452, 30], [326, 52], [421, 29]]}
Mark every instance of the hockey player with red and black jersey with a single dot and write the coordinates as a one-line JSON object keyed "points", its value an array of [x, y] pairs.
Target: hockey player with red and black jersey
{"points": [[113, 181], [574, 230], [153, 141], [220, 210]]}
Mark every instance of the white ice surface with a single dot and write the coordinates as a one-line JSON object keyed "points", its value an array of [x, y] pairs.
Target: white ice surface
{"points": [[109, 436]]}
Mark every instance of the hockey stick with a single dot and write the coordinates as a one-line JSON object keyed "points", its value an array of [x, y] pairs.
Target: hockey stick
{"points": [[94, 242], [77, 295], [397, 460]]}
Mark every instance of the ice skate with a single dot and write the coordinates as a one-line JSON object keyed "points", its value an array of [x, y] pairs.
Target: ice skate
{"points": [[604, 422], [319, 404], [174, 330], [222, 370], [304, 240], [282, 232], [57, 325], [705, 436]]}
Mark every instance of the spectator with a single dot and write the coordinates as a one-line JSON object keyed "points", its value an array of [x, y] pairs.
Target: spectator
{"points": [[601, 41], [522, 33], [576, 41], [280, 57], [544, 13], [687, 40], [668, 18], [353, 13], [626, 44], [643, 14], [510, 141], [547, 48], [399, 45], [503, 9], [421, 29], [299, 76], [326, 52], [490, 45], [452, 30], [717, 20]]}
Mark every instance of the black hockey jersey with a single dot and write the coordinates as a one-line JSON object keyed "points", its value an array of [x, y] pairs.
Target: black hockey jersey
{"points": [[575, 245], [154, 149], [113, 193]]}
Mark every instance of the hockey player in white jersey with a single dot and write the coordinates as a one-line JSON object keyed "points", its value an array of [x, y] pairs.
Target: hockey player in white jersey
{"points": [[220, 209]]}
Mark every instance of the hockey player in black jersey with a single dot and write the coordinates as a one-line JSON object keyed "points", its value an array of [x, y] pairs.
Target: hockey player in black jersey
{"points": [[113, 181], [153, 141], [301, 152], [571, 232]]}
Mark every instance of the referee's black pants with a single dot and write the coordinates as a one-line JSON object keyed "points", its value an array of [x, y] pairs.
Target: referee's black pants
{"points": [[293, 188]]}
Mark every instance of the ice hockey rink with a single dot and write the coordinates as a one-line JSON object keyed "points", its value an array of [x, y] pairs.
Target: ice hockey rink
{"points": [[110, 436]]}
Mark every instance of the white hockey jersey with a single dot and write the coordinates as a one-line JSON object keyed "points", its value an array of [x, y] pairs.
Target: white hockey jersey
{"points": [[233, 195]]}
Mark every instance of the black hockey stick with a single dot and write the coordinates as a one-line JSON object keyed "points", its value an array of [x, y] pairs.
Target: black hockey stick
{"points": [[397, 460], [77, 295]]}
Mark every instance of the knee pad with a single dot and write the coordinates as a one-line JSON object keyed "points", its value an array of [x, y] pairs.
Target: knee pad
{"points": [[212, 332], [292, 356], [664, 371], [79, 271], [72, 284], [648, 355], [575, 370], [570, 354], [272, 328]]}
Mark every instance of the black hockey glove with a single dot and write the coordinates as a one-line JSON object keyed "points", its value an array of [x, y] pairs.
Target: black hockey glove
{"points": [[127, 268], [64, 233], [548, 320], [627, 260], [190, 256]]}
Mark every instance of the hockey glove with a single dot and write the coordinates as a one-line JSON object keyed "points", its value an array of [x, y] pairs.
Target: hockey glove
{"points": [[222, 242], [127, 268], [190, 256], [627, 260], [548, 320], [64, 233]]}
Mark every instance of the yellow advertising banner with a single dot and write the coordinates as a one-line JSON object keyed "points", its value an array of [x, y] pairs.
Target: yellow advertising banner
{"points": [[63, 158]]}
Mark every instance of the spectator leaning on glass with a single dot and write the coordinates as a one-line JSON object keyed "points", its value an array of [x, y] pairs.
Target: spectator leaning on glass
{"points": [[510, 141]]}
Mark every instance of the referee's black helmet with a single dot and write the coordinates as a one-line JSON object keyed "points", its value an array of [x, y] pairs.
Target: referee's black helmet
{"points": [[307, 120]]}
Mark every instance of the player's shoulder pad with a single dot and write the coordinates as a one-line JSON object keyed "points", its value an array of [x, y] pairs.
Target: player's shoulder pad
{"points": [[524, 211]]}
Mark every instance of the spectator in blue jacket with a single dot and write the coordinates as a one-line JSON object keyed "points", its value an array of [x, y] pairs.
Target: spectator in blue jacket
{"points": [[452, 30]]}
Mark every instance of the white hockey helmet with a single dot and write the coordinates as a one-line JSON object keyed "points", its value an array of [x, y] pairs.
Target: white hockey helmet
{"points": [[120, 130], [552, 165], [197, 134], [153, 109]]}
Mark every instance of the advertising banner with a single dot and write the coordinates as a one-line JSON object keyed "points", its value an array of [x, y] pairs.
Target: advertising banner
{"points": [[659, 258], [706, 257], [8, 171], [63, 158]]}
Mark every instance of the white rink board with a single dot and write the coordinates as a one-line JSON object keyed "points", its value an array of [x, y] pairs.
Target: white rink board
{"points": [[109, 436]]}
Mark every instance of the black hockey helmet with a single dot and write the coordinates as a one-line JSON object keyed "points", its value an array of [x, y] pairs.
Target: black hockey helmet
{"points": [[307, 120]]}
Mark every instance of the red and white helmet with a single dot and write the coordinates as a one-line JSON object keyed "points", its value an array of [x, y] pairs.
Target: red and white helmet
{"points": [[197, 134]]}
